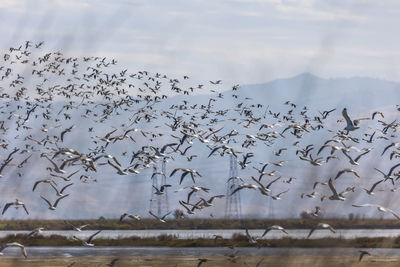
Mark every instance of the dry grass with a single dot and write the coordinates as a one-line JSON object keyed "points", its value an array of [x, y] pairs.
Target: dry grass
{"points": [[185, 224]]}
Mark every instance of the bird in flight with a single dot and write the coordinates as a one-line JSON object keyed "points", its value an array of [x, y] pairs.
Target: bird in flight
{"points": [[17, 203], [14, 244], [161, 219], [53, 206], [323, 226], [88, 242]]}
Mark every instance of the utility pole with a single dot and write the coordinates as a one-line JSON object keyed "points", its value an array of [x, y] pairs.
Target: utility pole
{"points": [[159, 204], [233, 207]]}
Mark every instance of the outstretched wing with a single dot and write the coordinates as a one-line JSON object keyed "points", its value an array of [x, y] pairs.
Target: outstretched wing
{"points": [[23, 205], [92, 236], [65, 187], [346, 117], [58, 200], [48, 202], [6, 207], [333, 189]]}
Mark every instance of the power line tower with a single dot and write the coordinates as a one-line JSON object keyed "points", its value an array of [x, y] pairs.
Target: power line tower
{"points": [[233, 207], [159, 204]]}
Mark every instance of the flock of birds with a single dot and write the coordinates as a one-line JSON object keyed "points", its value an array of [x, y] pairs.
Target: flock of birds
{"points": [[76, 118]]}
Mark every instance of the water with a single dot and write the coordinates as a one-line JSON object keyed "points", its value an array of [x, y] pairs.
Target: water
{"points": [[67, 252], [193, 234]]}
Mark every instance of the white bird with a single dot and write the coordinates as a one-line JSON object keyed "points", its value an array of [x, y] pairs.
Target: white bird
{"points": [[189, 211], [251, 239], [347, 170], [274, 227], [77, 228], [351, 125], [56, 168], [335, 195], [35, 232], [362, 254], [88, 243], [379, 207], [60, 193], [208, 203], [136, 217], [14, 244], [278, 196], [16, 203], [53, 206], [370, 191], [162, 219], [48, 181], [119, 170], [161, 190], [321, 225]]}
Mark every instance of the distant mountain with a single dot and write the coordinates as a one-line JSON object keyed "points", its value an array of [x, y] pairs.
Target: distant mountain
{"points": [[357, 93]]}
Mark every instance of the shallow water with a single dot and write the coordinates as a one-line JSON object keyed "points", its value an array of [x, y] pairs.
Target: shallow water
{"points": [[193, 234], [66, 252]]}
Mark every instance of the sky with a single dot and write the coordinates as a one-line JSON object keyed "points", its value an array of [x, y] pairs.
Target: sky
{"points": [[238, 41]]}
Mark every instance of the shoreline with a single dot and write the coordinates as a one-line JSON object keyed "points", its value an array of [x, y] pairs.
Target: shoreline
{"points": [[238, 240], [198, 224]]}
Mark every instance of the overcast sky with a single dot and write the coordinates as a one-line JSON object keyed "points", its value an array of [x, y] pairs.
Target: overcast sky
{"points": [[242, 41]]}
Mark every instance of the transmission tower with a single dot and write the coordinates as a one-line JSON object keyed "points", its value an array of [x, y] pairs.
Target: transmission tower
{"points": [[159, 203], [233, 207]]}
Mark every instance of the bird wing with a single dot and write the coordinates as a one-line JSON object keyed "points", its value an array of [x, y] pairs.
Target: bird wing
{"points": [[331, 228], [92, 236], [339, 173], [152, 214], [36, 183], [174, 171], [183, 176], [48, 202], [65, 187], [55, 188], [83, 226], [6, 207], [189, 195], [183, 205], [365, 205], [375, 184], [24, 252], [163, 217], [248, 234], [386, 148], [392, 212], [213, 197], [52, 162], [311, 231], [26, 210], [122, 216], [116, 167], [346, 117], [392, 169], [355, 173], [58, 199], [332, 187], [362, 154], [273, 181], [266, 231], [69, 176]]}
